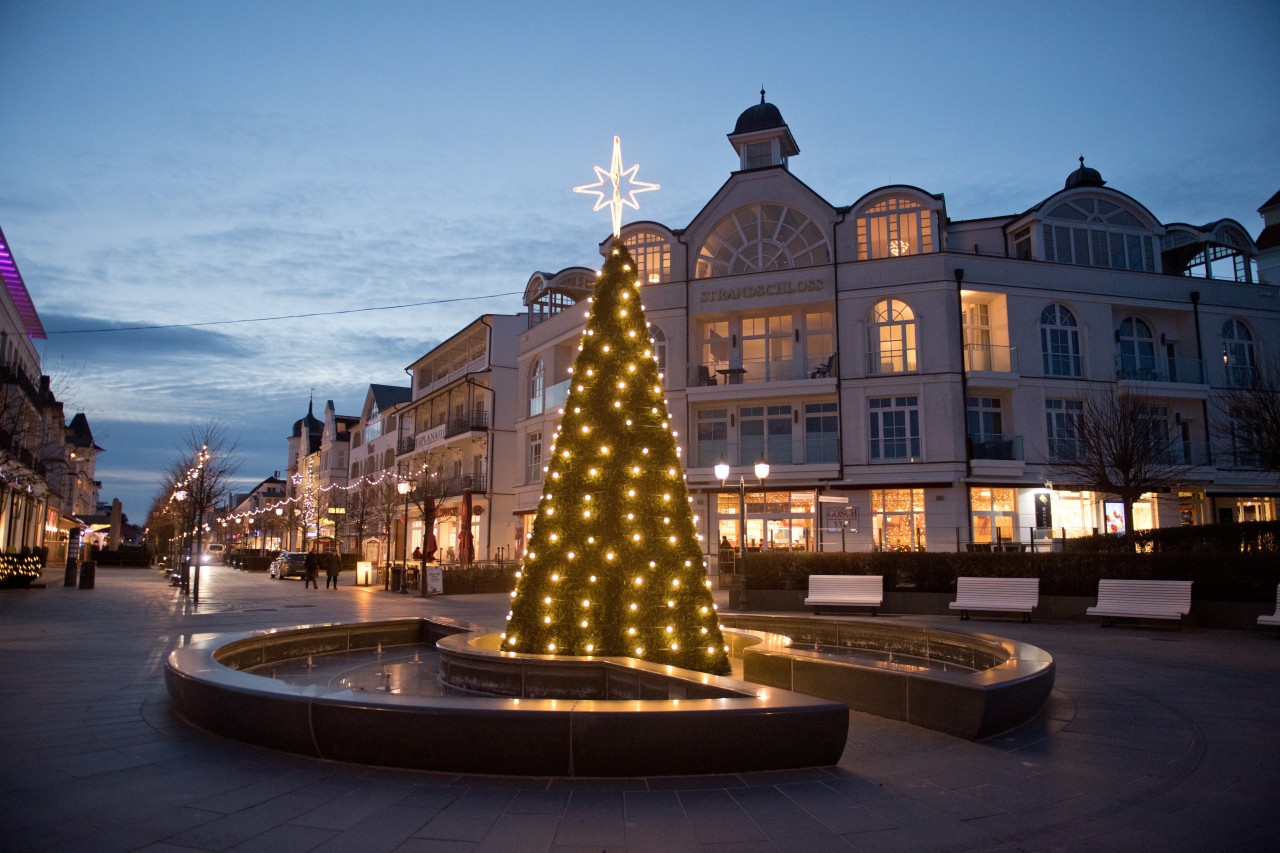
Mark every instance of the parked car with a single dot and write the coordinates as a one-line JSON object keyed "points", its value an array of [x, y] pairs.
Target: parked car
{"points": [[290, 564]]}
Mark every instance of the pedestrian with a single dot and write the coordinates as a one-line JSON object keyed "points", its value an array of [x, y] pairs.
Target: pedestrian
{"points": [[312, 566], [332, 568]]}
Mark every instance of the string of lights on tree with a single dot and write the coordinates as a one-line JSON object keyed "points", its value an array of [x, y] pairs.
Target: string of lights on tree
{"points": [[614, 562]]}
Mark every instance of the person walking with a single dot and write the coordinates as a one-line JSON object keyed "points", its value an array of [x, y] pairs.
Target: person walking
{"points": [[332, 568], [312, 566]]}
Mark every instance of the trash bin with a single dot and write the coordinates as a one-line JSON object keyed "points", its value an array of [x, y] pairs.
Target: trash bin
{"points": [[87, 571], [397, 575]]}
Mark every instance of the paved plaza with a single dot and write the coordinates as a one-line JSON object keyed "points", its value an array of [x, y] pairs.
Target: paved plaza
{"points": [[1153, 739]]}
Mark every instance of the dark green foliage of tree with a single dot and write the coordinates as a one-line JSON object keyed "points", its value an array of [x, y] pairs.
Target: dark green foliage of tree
{"points": [[614, 566]]}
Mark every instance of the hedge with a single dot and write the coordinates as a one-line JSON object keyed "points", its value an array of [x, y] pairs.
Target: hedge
{"points": [[1217, 575]]}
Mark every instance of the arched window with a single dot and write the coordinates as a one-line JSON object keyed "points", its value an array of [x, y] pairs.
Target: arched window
{"points": [[1100, 233], [892, 330], [762, 237], [652, 254], [1237, 353], [1137, 350], [1059, 342], [894, 227], [659, 339], [535, 387]]}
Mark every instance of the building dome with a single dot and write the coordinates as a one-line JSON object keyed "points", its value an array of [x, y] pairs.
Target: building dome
{"points": [[761, 116], [310, 423], [1082, 177]]}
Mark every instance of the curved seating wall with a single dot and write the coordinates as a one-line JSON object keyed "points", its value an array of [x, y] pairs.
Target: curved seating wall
{"points": [[1011, 682], [744, 728]]}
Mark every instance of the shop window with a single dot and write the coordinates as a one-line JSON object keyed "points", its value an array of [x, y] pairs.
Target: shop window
{"points": [[897, 519], [994, 514]]}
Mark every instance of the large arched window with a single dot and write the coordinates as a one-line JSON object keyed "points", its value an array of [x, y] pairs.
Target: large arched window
{"points": [[1137, 350], [894, 227], [762, 237], [892, 337], [652, 254], [1237, 353], [1059, 342]]}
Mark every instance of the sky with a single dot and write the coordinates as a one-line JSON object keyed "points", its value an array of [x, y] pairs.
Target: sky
{"points": [[169, 164]]}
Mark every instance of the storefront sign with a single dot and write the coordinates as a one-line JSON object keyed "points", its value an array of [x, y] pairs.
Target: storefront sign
{"points": [[748, 291], [841, 516], [1044, 511], [435, 435]]}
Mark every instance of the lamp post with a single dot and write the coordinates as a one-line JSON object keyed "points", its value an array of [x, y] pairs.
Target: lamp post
{"points": [[184, 570], [403, 488], [722, 474]]}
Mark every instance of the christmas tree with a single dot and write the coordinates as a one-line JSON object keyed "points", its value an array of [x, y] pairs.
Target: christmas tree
{"points": [[614, 565]]}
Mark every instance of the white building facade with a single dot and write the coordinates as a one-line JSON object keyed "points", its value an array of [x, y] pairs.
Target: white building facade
{"points": [[910, 379]]}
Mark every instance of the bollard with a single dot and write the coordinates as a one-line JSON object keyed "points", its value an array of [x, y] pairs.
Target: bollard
{"points": [[87, 571]]}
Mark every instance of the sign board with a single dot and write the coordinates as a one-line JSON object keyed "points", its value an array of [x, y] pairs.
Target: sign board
{"points": [[435, 580], [832, 499], [841, 516]]}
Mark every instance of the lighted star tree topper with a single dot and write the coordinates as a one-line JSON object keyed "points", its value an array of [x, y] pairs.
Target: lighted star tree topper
{"points": [[614, 199], [614, 565]]}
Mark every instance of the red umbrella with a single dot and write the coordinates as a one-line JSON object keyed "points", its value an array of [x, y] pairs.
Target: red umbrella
{"points": [[466, 548]]}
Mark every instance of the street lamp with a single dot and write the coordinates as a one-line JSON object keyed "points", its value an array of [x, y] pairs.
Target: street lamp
{"points": [[403, 488], [722, 474]]}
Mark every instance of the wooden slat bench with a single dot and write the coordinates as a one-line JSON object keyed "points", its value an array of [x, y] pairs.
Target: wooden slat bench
{"points": [[845, 591], [1274, 618], [1142, 600], [1011, 595]]}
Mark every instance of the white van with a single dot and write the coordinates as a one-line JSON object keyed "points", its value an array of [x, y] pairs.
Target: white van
{"points": [[213, 553]]}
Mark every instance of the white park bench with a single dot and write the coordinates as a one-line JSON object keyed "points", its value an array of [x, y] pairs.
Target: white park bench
{"points": [[1011, 595], [845, 591], [1274, 618], [1142, 600]]}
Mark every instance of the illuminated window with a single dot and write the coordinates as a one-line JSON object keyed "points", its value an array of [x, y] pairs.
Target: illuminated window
{"points": [[767, 347], [894, 227], [652, 255], [892, 328], [1059, 342], [762, 237], [897, 519], [994, 516]]}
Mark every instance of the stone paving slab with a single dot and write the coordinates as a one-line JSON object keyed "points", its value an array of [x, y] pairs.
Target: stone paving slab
{"points": [[1153, 739]]}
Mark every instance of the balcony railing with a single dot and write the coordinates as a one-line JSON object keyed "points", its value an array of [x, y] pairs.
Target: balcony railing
{"points": [[471, 420], [990, 358], [886, 360], [1241, 375], [446, 487], [749, 370], [1175, 452], [1184, 370], [1006, 447], [813, 450]]}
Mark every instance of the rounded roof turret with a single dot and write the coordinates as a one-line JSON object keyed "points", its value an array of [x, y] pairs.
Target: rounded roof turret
{"points": [[761, 116], [1083, 177]]}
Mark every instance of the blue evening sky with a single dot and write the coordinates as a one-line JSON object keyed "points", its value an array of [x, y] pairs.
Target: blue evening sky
{"points": [[174, 162]]}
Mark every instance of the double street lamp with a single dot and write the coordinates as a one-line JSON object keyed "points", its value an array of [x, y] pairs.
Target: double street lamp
{"points": [[403, 488], [722, 474]]}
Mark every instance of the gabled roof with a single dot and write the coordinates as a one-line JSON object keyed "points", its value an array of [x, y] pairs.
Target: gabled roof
{"points": [[17, 289], [386, 396]]}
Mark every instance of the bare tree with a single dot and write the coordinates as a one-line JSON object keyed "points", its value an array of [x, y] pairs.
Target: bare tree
{"points": [[1120, 445], [1248, 418], [361, 515], [386, 508]]}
